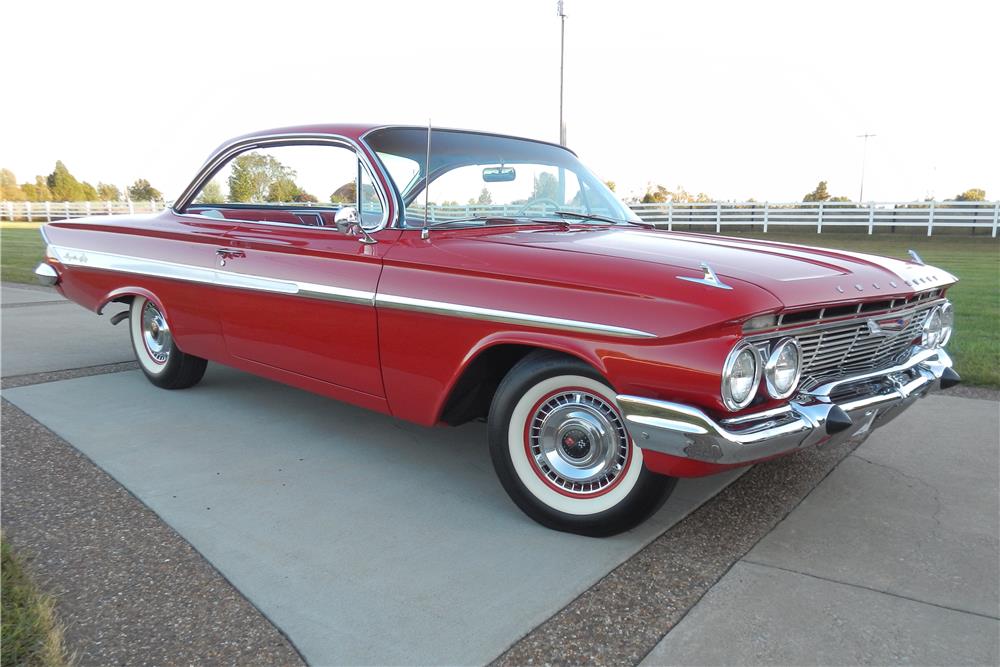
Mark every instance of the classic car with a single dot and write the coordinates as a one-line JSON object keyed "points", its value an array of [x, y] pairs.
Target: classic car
{"points": [[442, 276]]}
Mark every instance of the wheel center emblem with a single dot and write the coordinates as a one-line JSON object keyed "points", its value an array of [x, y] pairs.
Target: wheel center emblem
{"points": [[576, 444]]}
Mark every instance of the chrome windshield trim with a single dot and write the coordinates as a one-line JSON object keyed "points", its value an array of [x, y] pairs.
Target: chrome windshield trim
{"points": [[505, 316], [230, 150]]}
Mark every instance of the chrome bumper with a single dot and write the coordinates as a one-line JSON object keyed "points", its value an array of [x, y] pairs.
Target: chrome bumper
{"points": [[46, 274], [831, 413]]}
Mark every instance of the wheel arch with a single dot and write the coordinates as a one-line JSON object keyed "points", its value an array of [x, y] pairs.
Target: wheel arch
{"points": [[126, 295], [473, 386]]}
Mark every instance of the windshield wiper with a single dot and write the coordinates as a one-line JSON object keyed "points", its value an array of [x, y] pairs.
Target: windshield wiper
{"points": [[600, 218], [481, 217]]}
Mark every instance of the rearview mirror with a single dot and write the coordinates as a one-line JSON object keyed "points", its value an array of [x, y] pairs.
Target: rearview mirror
{"points": [[499, 174]]}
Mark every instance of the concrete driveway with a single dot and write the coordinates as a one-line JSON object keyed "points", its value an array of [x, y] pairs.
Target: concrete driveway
{"points": [[367, 540], [892, 559]]}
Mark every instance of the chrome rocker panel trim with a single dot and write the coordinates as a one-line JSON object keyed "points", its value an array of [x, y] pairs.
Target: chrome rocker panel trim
{"points": [[687, 432]]}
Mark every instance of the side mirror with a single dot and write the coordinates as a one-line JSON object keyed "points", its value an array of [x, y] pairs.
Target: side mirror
{"points": [[348, 221], [346, 218]]}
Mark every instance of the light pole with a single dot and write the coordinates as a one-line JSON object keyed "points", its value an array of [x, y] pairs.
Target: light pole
{"points": [[562, 61], [864, 156]]}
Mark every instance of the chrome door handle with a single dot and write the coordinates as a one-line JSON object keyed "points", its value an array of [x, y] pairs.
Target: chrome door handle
{"points": [[226, 253]]}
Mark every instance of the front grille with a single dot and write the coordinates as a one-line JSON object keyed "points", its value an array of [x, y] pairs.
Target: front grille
{"points": [[850, 348]]}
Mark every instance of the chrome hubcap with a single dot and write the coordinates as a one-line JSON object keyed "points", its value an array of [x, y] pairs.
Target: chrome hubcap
{"points": [[578, 442], [155, 334]]}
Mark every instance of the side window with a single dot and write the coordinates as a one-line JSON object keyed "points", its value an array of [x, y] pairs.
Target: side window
{"points": [[302, 184]]}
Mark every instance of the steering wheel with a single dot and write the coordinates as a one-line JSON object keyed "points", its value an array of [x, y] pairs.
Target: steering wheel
{"points": [[544, 201]]}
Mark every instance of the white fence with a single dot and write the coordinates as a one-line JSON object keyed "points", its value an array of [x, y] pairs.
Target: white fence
{"points": [[929, 215], [47, 211]]}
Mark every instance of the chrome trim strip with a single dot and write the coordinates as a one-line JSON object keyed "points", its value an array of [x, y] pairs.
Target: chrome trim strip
{"points": [[197, 274], [230, 150], [505, 316]]}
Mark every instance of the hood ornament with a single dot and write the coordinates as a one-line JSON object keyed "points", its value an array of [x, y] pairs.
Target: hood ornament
{"points": [[915, 256], [709, 278]]}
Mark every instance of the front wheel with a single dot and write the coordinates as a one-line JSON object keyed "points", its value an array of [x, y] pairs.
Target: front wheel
{"points": [[160, 359], [561, 450]]}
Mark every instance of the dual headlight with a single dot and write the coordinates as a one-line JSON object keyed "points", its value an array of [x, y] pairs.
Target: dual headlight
{"points": [[744, 367], [938, 326]]}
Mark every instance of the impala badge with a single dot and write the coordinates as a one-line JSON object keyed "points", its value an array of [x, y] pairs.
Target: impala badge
{"points": [[887, 326]]}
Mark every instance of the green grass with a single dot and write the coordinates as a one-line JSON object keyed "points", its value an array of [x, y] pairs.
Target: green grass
{"points": [[974, 259], [31, 636], [20, 252]]}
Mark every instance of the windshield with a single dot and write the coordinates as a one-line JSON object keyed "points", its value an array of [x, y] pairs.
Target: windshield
{"points": [[475, 175]]}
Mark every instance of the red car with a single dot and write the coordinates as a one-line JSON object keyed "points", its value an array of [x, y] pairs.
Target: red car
{"points": [[443, 276]]}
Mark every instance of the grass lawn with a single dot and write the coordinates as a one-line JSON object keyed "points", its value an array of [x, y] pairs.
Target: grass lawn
{"points": [[31, 636], [20, 252], [974, 259]]}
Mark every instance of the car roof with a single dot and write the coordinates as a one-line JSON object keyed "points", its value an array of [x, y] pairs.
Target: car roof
{"points": [[355, 131]]}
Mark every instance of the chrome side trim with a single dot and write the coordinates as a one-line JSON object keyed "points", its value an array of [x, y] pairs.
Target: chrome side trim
{"points": [[505, 316], [203, 275], [206, 276]]}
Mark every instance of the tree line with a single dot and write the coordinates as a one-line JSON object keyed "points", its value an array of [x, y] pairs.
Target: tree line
{"points": [[61, 185], [658, 194], [257, 177]]}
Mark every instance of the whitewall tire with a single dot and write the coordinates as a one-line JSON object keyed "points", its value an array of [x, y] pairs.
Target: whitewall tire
{"points": [[561, 450], [162, 362]]}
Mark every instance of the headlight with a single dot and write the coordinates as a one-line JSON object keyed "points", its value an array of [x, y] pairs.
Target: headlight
{"points": [[782, 369], [931, 335], [947, 323], [740, 376]]}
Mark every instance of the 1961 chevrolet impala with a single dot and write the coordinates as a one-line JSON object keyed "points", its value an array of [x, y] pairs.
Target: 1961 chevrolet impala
{"points": [[443, 276]]}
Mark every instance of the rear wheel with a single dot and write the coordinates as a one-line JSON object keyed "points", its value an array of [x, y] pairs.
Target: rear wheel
{"points": [[160, 359], [561, 450]]}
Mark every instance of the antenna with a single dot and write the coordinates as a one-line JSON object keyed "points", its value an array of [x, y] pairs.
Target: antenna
{"points": [[424, 233]]}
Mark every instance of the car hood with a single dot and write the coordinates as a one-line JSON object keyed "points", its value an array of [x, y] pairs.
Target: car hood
{"points": [[796, 275]]}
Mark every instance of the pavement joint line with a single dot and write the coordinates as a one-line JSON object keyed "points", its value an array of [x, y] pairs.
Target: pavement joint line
{"points": [[869, 588], [43, 377], [155, 518], [31, 304]]}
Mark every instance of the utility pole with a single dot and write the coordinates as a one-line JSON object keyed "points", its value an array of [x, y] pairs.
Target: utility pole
{"points": [[864, 156], [562, 62]]}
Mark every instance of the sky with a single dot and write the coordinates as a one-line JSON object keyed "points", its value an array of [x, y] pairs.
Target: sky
{"points": [[735, 99]]}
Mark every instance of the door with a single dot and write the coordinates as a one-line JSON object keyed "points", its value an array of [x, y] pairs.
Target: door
{"points": [[300, 292]]}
